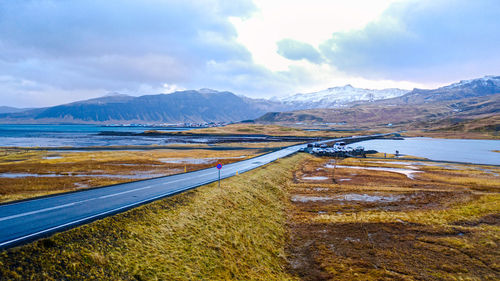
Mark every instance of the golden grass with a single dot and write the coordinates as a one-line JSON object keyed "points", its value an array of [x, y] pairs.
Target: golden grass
{"points": [[487, 204], [446, 227], [271, 130], [236, 144], [381, 155], [237, 232], [22, 188], [166, 146], [13, 155], [257, 144], [451, 134], [243, 129], [30, 156], [77, 170], [469, 180], [390, 156]]}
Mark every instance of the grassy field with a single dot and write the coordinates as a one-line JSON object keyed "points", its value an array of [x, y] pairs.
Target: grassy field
{"points": [[302, 217], [47, 172], [168, 146], [239, 144], [261, 129], [443, 223], [237, 232], [452, 134]]}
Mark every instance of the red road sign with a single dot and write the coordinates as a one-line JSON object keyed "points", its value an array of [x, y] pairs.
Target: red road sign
{"points": [[219, 166]]}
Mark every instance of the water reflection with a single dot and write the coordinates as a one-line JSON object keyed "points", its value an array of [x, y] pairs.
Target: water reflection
{"points": [[462, 150]]}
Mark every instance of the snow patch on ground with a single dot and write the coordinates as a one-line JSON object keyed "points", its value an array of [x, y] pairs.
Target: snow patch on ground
{"points": [[317, 178], [369, 198], [303, 198], [407, 172], [349, 197]]}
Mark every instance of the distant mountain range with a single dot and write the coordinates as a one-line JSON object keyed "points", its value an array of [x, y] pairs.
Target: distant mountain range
{"points": [[453, 104], [480, 87], [348, 96], [8, 109], [184, 106], [336, 97], [331, 105], [369, 115]]}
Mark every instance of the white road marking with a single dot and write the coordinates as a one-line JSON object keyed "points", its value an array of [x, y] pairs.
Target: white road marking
{"points": [[101, 197], [44, 210], [97, 215], [226, 172], [239, 166]]}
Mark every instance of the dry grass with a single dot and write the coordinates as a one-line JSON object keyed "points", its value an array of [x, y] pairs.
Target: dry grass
{"points": [[237, 232], [69, 171], [257, 144], [390, 156], [261, 129], [485, 205], [451, 134], [468, 179], [442, 225], [245, 129]]}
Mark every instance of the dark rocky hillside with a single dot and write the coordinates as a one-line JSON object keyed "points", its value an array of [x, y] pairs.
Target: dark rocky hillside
{"points": [[376, 114], [184, 106]]}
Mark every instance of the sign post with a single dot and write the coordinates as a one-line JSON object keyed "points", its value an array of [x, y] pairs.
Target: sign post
{"points": [[219, 166]]}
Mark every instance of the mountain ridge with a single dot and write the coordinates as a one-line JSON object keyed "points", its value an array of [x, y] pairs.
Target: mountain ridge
{"points": [[336, 97], [207, 105], [478, 87], [462, 101], [177, 107], [10, 109]]}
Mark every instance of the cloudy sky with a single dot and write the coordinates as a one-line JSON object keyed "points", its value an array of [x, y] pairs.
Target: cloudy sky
{"points": [[57, 51]]}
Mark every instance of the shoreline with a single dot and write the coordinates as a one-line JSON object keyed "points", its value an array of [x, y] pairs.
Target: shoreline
{"points": [[433, 161], [132, 148]]}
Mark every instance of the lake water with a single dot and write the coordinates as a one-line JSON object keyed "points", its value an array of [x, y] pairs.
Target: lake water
{"points": [[75, 135], [457, 150]]}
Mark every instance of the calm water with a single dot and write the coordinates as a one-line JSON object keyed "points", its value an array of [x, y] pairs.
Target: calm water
{"points": [[74, 135], [471, 151]]}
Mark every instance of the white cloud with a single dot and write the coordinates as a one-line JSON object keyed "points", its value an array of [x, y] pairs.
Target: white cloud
{"points": [[430, 42], [53, 51], [117, 45], [311, 21]]}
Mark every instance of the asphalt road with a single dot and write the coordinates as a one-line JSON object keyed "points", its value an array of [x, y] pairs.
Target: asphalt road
{"points": [[25, 221]]}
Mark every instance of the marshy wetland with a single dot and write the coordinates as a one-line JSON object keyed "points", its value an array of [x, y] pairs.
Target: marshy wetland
{"points": [[26, 173], [299, 218], [237, 232], [366, 219]]}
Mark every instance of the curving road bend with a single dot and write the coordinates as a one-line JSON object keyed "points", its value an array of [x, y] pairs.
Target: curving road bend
{"points": [[24, 221]]}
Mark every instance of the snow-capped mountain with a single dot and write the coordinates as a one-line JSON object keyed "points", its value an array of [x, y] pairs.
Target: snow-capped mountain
{"points": [[337, 97], [488, 80], [479, 87]]}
